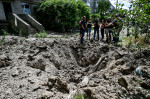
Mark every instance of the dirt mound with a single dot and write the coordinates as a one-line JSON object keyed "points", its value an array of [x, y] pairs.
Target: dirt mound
{"points": [[61, 68]]}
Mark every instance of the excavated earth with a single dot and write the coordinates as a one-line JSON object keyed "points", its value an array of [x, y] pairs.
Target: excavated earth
{"points": [[60, 68]]}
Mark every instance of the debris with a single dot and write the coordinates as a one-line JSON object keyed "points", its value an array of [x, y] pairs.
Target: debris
{"points": [[138, 71], [122, 82], [85, 80]]}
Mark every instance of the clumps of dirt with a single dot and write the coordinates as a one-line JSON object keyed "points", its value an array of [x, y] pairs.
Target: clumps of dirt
{"points": [[57, 83], [62, 68]]}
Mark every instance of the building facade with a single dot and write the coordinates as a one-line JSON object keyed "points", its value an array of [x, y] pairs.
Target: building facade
{"points": [[94, 5], [87, 2], [17, 7]]}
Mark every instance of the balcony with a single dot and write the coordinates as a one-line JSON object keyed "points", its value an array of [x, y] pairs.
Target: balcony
{"points": [[31, 1], [88, 4]]}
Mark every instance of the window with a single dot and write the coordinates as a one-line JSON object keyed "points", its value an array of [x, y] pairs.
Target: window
{"points": [[26, 6]]}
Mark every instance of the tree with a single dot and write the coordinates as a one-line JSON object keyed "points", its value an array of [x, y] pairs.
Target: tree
{"points": [[94, 16], [61, 15], [140, 8], [139, 17], [83, 10], [103, 7]]}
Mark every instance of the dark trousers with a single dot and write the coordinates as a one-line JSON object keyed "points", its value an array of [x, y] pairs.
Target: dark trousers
{"points": [[96, 30], [82, 36], [110, 32], [102, 33], [116, 35]]}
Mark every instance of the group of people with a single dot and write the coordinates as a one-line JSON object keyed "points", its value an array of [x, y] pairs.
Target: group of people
{"points": [[110, 27]]}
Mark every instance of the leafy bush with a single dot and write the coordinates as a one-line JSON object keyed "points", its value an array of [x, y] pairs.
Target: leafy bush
{"points": [[79, 96], [61, 15], [94, 16], [13, 30], [140, 25], [103, 7], [82, 10], [4, 32], [41, 35]]}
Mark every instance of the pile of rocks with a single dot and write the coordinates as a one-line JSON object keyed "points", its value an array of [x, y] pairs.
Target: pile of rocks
{"points": [[62, 68]]}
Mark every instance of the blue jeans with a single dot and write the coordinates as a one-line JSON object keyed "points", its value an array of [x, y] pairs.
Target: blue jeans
{"points": [[96, 30], [89, 32], [82, 36]]}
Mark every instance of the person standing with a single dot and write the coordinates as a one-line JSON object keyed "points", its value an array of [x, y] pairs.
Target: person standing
{"points": [[102, 29], [96, 28], [80, 27], [89, 26], [108, 30], [117, 23], [83, 29]]}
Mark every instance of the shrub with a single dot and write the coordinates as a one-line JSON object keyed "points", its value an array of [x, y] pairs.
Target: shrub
{"points": [[94, 16], [82, 10], [61, 15], [4, 32], [79, 96], [14, 30], [41, 35]]}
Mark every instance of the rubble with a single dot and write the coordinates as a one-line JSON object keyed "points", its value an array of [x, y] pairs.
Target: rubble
{"points": [[60, 68]]}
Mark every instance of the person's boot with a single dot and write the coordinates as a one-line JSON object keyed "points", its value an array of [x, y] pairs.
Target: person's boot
{"points": [[106, 40]]}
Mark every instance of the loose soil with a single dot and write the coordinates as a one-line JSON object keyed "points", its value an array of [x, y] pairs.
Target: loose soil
{"points": [[60, 68]]}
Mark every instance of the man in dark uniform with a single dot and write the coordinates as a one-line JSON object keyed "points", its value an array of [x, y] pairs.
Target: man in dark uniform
{"points": [[83, 29]]}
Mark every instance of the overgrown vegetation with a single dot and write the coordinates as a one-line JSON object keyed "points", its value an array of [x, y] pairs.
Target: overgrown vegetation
{"points": [[13, 30], [137, 19], [4, 32], [94, 16], [61, 15], [103, 8], [41, 35], [80, 96]]}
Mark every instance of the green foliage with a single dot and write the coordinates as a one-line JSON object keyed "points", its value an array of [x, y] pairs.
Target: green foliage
{"points": [[41, 35], [106, 17], [138, 80], [3, 37], [137, 17], [94, 16], [103, 7], [13, 30], [82, 10], [79, 96], [61, 15], [3, 32], [122, 12]]}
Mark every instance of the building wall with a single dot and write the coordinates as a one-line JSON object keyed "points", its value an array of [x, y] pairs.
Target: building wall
{"points": [[94, 5], [2, 13], [17, 7]]}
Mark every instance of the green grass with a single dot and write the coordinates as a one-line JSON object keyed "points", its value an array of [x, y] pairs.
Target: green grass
{"points": [[148, 91], [79, 96], [124, 41], [138, 80], [131, 41]]}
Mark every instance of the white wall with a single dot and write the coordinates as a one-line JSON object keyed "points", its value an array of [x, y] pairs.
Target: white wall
{"points": [[2, 13], [16, 7]]}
